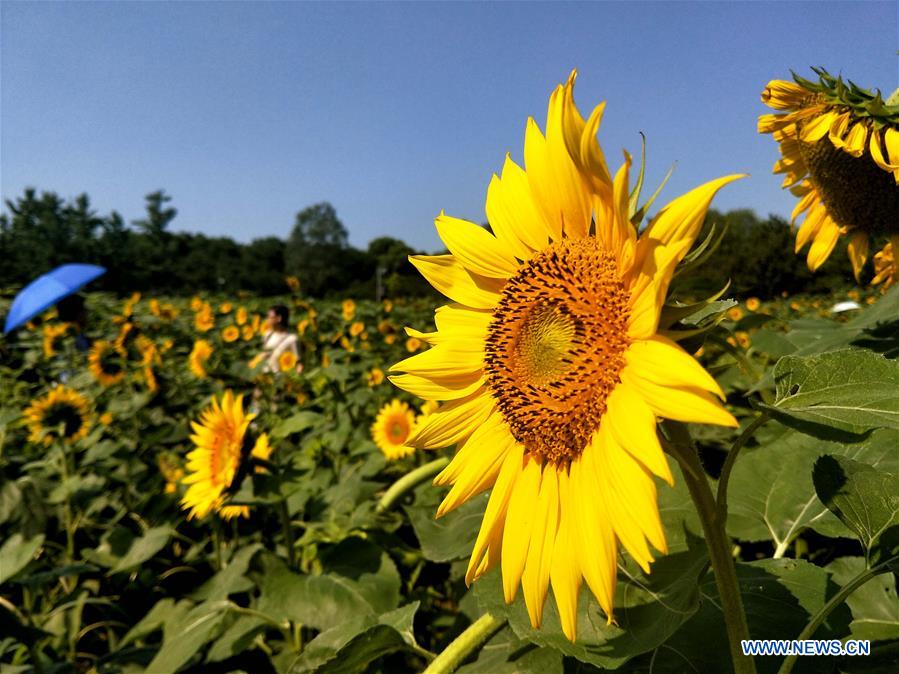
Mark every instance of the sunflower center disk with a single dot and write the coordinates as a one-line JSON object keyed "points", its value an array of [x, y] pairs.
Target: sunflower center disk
{"points": [[855, 190], [555, 347], [63, 415]]}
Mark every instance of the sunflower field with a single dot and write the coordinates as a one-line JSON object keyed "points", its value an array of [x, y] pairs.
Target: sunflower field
{"points": [[566, 466]]}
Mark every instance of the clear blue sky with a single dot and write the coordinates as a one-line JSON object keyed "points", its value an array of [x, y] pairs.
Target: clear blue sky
{"points": [[247, 112]]}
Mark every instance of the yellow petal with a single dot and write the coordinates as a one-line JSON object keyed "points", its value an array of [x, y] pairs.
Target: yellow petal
{"points": [[816, 128], [453, 422], [519, 522], [449, 277], [891, 140], [513, 213], [475, 248], [581, 143], [823, 245], [692, 405], [811, 225], [858, 251], [565, 574], [663, 362], [855, 141], [476, 449], [806, 202], [878, 155], [495, 514], [633, 425], [650, 285], [443, 360], [480, 467], [535, 579], [837, 131], [443, 389]]}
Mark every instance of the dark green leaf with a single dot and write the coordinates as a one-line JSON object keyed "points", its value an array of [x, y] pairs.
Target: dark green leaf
{"points": [[16, 552], [300, 421], [185, 634], [874, 605], [143, 548], [231, 579], [369, 567], [453, 535], [505, 653]]}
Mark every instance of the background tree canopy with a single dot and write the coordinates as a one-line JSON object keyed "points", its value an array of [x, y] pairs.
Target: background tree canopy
{"points": [[38, 232]]}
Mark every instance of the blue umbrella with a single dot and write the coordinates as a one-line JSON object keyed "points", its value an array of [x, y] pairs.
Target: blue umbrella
{"points": [[49, 289]]}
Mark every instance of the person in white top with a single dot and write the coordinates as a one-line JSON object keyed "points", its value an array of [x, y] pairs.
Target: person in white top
{"points": [[279, 339]]}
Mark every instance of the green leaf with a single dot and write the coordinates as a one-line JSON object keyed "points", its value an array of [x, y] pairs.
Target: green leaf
{"points": [[874, 605], [679, 517], [349, 647], [772, 342], [321, 602], [231, 579], [779, 597], [771, 494], [648, 610], [864, 498], [851, 390], [186, 633], [237, 638], [300, 421], [143, 548], [369, 567], [15, 554], [505, 653], [452, 536]]}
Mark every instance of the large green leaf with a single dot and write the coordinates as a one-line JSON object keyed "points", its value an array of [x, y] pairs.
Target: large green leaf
{"points": [[143, 548], [231, 578], [15, 554], [771, 494], [300, 421], [648, 610], [678, 513], [185, 633], [369, 567], [874, 605], [779, 597], [851, 390], [453, 535], [349, 647], [865, 498]]}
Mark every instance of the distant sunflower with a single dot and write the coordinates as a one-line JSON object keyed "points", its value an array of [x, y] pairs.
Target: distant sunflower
{"points": [[240, 316], [348, 309], [392, 428], [106, 361], [53, 335], [840, 154], [225, 308], [413, 344], [204, 319], [247, 333], [63, 414], [231, 333], [357, 328], [199, 354], [287, 361], [552, 369], [212, 464], [375, 377]]}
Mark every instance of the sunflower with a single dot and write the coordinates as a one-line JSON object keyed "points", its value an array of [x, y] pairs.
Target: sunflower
{"points": [[218, 438], [885, 266], [413, 344], [357, 328], [839, 148], [231, 333], [375, 377], [392, 428], [293, 283], [106, 361], [240, 316], [53, 335], [287, 361], [199, 354], [753, 304], [225, 308], [552, 369], [204, 320], [62, 414], [348, 309], [387, 305], [247, 333]]}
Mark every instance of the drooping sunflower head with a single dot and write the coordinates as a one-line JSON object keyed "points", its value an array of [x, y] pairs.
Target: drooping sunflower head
{"points": [[107, 362], [199, 354], [217, 455], [392, 428], [840, 154], [550, 366], [62, 414]]}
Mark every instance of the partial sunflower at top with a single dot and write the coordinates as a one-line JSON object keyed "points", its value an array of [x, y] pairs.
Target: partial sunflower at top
{"points": [[551, 368], [840, 154]]}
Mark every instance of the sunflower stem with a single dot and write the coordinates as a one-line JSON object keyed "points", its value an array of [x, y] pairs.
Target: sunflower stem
{"points": [[288, 534], [728, 466], [409, 481], [465, 644], [718, 544]]}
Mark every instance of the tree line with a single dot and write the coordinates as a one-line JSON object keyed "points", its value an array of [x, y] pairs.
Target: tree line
{"points": [[39, 232]]}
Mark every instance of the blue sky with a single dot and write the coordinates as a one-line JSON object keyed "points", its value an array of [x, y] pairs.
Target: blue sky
{"points": [[245, 112]]}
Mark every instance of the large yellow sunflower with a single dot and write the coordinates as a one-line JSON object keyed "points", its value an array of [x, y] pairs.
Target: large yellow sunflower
{"points": [[213, 463], [62, 414], [839, 148], [199, 354], [392, 428], [106, 361], [551, 367]]}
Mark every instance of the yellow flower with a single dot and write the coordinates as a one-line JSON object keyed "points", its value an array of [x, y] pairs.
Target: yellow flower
{"points": [[128, 308], [753, 304], [326, 360], [225, 308], [551, 367], [53, 335], [247, 333], [885, 268], [346, 345], [62, 414], [199, 354], [302, 326], [348, 309], [357, 328], [231, 333], [287, 361], [742, 338], [375, 377], [196, 303], [105, 419], [293, 283], [387, 305], [256, 360], [839, 150], [204, 320], [413, 344], [389, 339], [106, 361], [240, 316], [391, 429], [735, 313], [213, 463]]}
